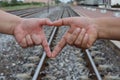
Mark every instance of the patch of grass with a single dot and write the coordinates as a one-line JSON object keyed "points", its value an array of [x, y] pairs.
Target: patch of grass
{"points": [[19, 7]]}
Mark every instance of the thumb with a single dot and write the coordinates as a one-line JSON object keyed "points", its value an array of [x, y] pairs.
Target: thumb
{"points": [[45, 22], [61, 22]]}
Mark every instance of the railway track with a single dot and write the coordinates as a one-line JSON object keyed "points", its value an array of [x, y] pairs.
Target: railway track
{"points": [[71, 64], [27, 12]]}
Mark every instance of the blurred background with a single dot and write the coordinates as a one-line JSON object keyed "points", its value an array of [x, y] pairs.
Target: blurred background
{"points": [[22, 4]]}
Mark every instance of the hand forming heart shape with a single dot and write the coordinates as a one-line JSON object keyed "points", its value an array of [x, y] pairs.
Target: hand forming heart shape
{"points": [[30, 32], [82, 33]]}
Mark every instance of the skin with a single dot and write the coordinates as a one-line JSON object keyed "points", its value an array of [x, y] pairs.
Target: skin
{"points": [[28, 32], [83, 31]]}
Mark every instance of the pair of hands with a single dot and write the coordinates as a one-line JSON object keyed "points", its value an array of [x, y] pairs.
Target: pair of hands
{"points": [[82, 33]]}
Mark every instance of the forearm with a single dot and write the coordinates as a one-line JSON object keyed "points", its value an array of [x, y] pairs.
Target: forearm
{"points": [[8, 22], [108, 28]]}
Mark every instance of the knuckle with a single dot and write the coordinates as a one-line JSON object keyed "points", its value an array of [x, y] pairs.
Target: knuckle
{"points": [[37, 43], [74, 34], [78, 46], [83, 46], [45, 45], [77, 43], [23, 46], [30, 43], [82, 33], [69, 41]]}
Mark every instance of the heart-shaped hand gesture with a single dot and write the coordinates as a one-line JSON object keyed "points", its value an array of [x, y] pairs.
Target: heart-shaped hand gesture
{"points": [[82, 33]]}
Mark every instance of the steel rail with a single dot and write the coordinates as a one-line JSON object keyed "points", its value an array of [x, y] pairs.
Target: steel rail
{"points": [[29, 12], [44, 53], [10, 11], [90, 58], [93, 65]]}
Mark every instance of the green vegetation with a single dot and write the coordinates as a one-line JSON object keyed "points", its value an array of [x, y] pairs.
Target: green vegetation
{"points": [[19, 7], [57, 1], [15, 5]]}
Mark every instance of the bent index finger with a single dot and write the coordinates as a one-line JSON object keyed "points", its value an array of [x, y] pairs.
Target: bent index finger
{"points": [[46, 46], [61, 22], [59, 46]]}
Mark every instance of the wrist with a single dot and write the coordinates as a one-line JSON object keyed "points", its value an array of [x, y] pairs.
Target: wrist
{"points": [[100, 26], [15, 24]]}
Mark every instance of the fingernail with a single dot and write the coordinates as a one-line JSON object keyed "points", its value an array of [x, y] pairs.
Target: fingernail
{"points": [[88, 45], [52, 56]]}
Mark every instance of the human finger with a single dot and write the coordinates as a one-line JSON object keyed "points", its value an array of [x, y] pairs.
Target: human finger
{"points": [[71, 30], [85, 41], [61, 22], [45, 21], [46, 46], [29, 40], [80, 38], [36, 39], [23, 43], [71, 39], [60, 45]]}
